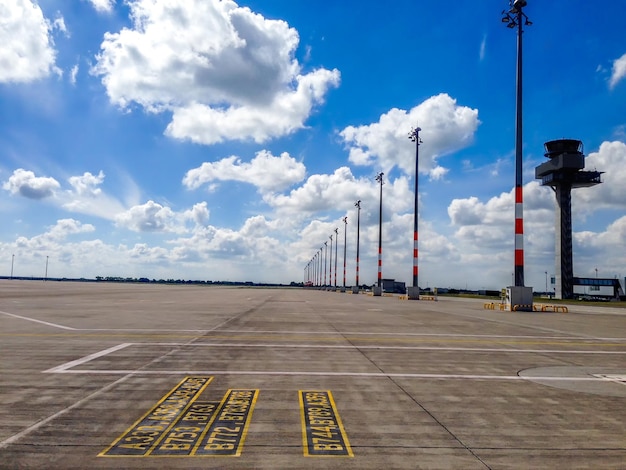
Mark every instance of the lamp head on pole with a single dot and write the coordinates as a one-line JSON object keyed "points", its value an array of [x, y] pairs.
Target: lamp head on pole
{"points": [[512, 18], [414, 135]]}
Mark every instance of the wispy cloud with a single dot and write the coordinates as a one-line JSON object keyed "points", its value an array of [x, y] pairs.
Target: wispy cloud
{"points": [[483, 47], [618, 72]]}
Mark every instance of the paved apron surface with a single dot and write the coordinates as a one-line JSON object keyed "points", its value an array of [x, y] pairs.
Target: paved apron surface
{"points": [[99, 375]]}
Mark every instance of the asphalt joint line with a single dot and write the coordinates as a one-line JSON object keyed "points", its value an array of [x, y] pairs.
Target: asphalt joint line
{"points": [[456, 438]]}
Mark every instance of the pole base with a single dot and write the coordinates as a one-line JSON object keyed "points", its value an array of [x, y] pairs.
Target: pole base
{"points": [[355, 289], [377, 291], [413, 293]]}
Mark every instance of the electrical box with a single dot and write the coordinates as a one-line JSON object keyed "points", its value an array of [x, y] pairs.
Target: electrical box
{"points": [[519, 298]]}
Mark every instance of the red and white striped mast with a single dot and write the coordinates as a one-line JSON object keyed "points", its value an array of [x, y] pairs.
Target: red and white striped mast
{"points": [[414, 136], [379, 178], [513, 18], [345, 238], [358, 233]]}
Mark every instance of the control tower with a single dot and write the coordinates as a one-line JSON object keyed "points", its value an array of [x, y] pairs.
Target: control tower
{"points": [[562, 173]]}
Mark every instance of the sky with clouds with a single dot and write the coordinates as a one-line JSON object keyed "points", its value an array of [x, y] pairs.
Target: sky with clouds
{"points": [[215, 140]]}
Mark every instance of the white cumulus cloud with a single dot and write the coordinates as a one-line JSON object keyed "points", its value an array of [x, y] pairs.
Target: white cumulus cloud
{"points": [[87, 184], [25, 183], [148, 217], [611, 194], [265, 171], [103, 6], [199, 214], [339, 191], [27, 51], [446, 127], [224, 71]]}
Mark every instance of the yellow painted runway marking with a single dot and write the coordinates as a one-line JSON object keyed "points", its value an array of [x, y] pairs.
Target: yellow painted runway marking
{"points": [[323, 434], [186, 432], [226, 433], [143, 436]]}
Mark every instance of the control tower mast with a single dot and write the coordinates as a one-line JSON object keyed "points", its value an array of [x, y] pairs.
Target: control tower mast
{"points": [[562, 173]]}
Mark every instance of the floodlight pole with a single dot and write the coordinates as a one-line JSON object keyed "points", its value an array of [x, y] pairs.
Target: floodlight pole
{"points": [[45, 278], [12, 261], [321, 257], [513, 18], [379, 178], [325, 261], [414, 136], [336, 243], [358, 234], [345, 239], [330, 264]]}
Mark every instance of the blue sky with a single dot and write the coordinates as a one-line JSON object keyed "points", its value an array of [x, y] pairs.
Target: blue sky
{"points": [[211, 140]]}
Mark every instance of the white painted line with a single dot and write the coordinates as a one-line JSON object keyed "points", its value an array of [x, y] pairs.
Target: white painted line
{"points": [[55, 325], [141, 330], [620, 379], [45, 421], [409, 348], [82, 360], [340, 374]]}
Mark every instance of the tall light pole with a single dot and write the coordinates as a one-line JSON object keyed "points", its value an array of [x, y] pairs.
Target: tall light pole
{"points": [[345, 239], [325, 262], [330, 264], [379, 178], [45, 278], [513, 18], [308, 272], [12, 261], [546, 281], [355, 290], [321, 253], [414, 136], [336, 243]]}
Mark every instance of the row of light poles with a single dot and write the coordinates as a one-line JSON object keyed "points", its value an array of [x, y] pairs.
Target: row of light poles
{"points": [[316, 271], [315, 275], [513, 18]]}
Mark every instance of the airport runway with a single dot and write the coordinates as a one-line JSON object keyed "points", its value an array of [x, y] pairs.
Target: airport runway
{"points": [[102, 375]]}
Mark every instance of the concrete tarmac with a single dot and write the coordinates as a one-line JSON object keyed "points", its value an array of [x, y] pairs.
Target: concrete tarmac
{"points": [[104, 375]]}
